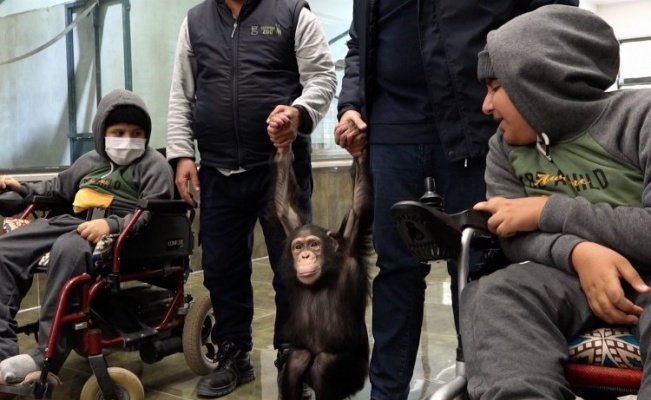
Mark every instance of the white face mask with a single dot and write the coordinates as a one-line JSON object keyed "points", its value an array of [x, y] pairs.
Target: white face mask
{"points": [[124, 151]]}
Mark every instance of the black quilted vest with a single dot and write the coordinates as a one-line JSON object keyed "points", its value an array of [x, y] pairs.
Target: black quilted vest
{"points": [[245, 67]]}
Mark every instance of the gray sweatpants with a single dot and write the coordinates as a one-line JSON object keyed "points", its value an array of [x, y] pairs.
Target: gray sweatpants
{"points": [[515, 327], [20, 250]]}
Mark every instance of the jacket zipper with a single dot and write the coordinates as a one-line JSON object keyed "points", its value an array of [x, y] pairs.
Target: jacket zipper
{"points": [[234, 93]]}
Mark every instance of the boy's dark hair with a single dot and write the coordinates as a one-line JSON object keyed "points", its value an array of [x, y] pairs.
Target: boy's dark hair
{"points": [[130, 115]]}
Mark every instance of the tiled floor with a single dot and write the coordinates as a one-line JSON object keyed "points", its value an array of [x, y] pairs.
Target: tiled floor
{"points": [[170, 379]]}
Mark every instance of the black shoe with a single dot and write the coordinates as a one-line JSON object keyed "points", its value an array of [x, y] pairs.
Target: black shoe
{"points": [[233, 369], [281, 359]]}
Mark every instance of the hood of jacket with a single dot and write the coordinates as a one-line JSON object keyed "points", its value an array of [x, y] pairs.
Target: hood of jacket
{"points": [[555, 64], [116, 98]]}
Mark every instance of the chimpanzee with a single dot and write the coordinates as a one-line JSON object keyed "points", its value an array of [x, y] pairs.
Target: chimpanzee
{"points": [[327, 280]]}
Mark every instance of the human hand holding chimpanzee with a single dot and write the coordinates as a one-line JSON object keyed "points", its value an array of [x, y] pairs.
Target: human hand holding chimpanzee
{"points": [[282, 126]]}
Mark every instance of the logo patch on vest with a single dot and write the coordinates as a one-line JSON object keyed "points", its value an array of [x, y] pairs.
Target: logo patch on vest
{"points": [[266, 30]]}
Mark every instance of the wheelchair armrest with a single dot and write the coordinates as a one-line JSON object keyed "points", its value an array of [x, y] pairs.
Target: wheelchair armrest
{"points": [[11, 203], [165, 206], [45, 202], [431, 234], [472, 219]]}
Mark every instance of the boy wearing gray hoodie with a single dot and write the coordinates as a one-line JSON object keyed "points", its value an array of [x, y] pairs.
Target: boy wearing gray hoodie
{"points": [[121, 170], [569, 189]]}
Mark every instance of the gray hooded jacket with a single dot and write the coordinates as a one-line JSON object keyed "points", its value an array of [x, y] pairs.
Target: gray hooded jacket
{"points": [[594, 153], [150, 175]]}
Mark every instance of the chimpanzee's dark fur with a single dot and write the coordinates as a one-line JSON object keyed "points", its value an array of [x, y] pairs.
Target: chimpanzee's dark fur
{"points": [[330, 346]]}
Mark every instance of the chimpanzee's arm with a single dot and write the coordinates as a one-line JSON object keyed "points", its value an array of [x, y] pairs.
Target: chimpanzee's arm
{"points": [[285, 191], [359, 220]]}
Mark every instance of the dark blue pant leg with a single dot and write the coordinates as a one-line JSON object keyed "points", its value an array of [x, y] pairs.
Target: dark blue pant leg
{"points": [[462, 185], [228, 216], [398, 173], [399, 287]]}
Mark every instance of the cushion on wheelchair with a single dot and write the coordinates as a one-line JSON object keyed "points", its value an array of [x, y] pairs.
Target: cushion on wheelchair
{"points": [[11, 223], [613, 347]]}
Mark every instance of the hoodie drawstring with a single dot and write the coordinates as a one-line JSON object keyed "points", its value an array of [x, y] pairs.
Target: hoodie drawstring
{"points": [[543, 147]]}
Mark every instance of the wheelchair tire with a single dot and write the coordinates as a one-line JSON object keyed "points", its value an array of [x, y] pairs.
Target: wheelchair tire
{"points": [[198, 348], [127, 386]]}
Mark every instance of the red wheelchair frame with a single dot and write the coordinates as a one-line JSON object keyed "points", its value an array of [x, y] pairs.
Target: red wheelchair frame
{"points": [[158, 258]]}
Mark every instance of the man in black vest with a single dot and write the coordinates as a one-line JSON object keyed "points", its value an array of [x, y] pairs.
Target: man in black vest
{"points": [[237, 64], [411, 92]]}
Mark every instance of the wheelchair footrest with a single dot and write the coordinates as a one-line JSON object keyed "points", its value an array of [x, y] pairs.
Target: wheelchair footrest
{"points": [[27, 388], [137, 338], [28, 328]]}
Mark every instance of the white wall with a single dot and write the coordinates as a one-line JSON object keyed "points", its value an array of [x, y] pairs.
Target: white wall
{"points": [[630, 20], [9, 7], [34, 92], [588, 5]]}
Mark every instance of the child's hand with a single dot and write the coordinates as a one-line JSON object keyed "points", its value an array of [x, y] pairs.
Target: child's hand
{"points": [[600, 271], [510, 216], [9, 183], [94, 230]]}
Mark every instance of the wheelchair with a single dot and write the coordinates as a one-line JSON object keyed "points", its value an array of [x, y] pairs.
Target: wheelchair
{"points": [[132, 300], [418, 223]]}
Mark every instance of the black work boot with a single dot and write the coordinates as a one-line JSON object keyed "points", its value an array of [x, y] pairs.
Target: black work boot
{"points": [[281, 359], [233, 368]]}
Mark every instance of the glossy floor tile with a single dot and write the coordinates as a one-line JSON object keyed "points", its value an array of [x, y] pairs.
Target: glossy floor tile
{"points": [[170, 379]]}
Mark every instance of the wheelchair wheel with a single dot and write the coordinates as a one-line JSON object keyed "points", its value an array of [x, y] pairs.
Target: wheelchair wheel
{"points": [[199, 350], [127, 386]]}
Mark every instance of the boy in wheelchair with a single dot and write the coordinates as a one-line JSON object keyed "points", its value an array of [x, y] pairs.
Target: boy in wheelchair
{"points": [[108, 182], [568, 188]]}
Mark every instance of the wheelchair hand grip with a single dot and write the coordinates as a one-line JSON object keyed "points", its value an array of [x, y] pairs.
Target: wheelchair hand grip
{"points": [[11, 203]]}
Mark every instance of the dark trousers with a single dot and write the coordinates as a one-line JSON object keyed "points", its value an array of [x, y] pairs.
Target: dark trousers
{"points": [[399, 172], [20, 250], [230, 207]]}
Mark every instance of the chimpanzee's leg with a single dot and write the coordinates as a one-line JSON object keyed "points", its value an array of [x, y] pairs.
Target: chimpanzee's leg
{"points": [[293, 374], [337, 376]]}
